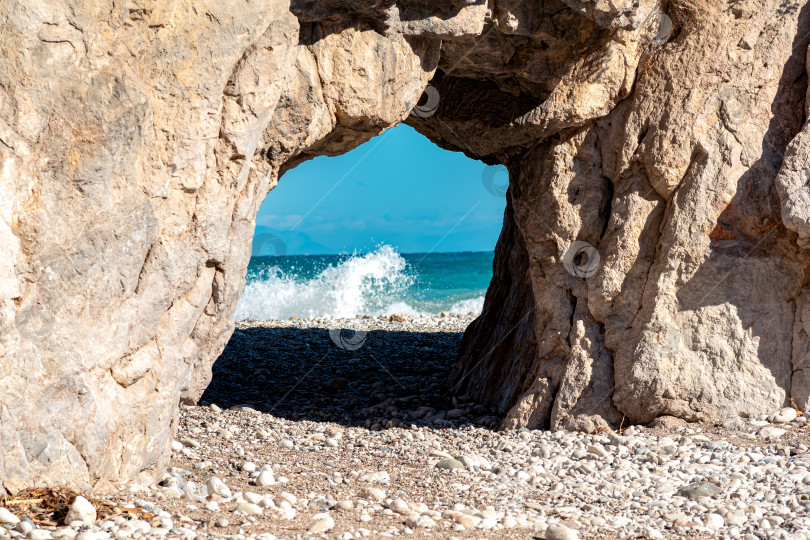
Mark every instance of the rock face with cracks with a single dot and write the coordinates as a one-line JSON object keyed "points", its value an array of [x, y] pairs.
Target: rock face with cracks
{"points": [[663, 141]]}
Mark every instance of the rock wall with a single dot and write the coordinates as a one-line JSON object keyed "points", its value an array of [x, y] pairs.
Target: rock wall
{"points": [[692, 201], [138, 139]]}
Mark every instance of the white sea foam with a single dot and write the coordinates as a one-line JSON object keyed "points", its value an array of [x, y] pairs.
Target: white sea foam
{"points": [[375, 283], [358, 285], [469, 305]]}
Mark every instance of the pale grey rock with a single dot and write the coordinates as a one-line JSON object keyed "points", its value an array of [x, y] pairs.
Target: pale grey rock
{"points": [[265, 478], [189, 443], [698, 490], [793, 188], [321, 523], [24, 527], [7, 517], [250, 509], [344, 505], [81, 510], [94, 535], [771, 433], [39, 534], [377, 477], [449, 464], [736, 518], [558, 531], [372, 493], [417, 521], [713, 521], [788, 414], [217, 487], [400, 507], [253, 498]]}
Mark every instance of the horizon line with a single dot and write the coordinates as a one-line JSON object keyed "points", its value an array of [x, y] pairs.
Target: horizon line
{"points": [[252, 256]]}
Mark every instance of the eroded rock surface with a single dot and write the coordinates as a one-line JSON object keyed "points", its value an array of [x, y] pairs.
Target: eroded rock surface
{"points": [[685, 190], [138, 139]]}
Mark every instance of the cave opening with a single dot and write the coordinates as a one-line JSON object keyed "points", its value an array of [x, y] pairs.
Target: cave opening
{"points": [[366, 269]]}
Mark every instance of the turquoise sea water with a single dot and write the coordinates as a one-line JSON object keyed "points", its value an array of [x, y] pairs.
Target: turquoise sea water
{"points": [[379, 282]]}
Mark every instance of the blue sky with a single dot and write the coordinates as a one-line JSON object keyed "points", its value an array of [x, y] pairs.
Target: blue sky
{"points": [[397, 189]]}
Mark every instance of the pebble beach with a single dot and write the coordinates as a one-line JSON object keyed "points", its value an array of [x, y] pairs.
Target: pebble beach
{"points": [[345, 428]]}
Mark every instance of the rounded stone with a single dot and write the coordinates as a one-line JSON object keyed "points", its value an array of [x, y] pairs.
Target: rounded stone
{"points": [[250, 509], [449, 464], [81, 510], [558, 531], [7, 518]]}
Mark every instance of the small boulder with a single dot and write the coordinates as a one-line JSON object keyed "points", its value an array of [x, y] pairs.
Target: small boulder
{"points": [[788, 414], [249, 509], [322, 523], [265, 478], [697, 490], [7, 518], [771, 433], [217, 487], [449, 464], [558, 531], [81, 510]]}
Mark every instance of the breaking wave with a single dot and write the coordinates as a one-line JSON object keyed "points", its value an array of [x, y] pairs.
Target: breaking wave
{"points": [[379, 282]]}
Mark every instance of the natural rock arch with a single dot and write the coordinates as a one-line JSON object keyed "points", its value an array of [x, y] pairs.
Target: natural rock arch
{"points": [[137, 140]]}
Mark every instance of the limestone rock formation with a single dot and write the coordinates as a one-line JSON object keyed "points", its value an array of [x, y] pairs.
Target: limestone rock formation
{"points": [[138, 140], [653, 255], [693, 196]]}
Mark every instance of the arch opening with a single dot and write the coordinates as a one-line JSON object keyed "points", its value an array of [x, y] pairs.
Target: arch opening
{"points": [[366, 268]]}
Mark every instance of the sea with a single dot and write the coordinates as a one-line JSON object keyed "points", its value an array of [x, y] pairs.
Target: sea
{"points": [[380, 282]]}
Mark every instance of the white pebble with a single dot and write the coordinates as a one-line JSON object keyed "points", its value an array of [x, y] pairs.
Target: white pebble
{"points": [[788, 414], [377, 494], [39, 534], [249, 509], [286, 443], [7, 518], [379, 477], [217, 487], [416, 521], [558, 531], [253, 498], [714, 521], [265, 478], [322, 523], [81, 510]]}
